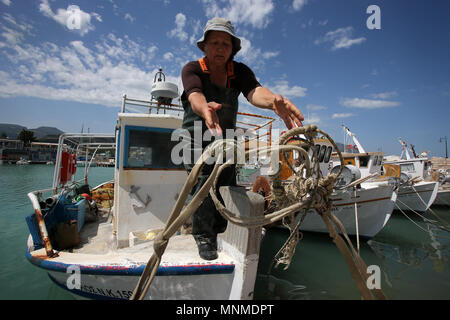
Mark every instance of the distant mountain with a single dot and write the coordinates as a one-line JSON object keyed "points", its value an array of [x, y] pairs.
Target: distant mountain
{"points": [[46, 131], [13, 130]]}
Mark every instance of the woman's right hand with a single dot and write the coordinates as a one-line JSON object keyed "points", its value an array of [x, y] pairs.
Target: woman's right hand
{"points": [[211, 118], [206, 110]]}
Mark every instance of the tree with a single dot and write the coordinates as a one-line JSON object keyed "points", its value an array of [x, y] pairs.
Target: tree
{"points": [[27, 137]]}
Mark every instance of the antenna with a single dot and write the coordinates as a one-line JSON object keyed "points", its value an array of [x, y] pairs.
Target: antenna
{"points": [[446, 150]]}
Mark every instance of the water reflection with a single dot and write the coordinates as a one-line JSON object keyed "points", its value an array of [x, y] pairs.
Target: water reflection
{"points": [[414, 264]]}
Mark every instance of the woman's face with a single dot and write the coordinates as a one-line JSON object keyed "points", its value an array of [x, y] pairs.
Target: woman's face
{"points": [[218, 47]]}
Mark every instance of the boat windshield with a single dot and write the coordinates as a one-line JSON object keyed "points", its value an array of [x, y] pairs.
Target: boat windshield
{"points": [[150, 149]]}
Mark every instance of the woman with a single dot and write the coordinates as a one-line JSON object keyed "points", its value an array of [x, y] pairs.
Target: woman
{"points": [[211, 89]]}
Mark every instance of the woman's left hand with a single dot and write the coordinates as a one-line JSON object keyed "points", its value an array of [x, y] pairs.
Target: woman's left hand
{"points": [[287, 111]]}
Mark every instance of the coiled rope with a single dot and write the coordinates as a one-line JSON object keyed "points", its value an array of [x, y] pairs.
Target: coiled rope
{"points": [[308, 190]]}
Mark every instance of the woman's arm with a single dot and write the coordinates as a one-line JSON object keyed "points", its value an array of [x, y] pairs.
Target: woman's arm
{"points": [[264, 98]]}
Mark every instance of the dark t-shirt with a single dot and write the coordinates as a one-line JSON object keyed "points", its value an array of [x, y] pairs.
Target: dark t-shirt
{"points": [[192, 76]]}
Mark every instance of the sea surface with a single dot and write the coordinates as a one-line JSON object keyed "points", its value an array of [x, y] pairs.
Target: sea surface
{"points": [[413, 257]]}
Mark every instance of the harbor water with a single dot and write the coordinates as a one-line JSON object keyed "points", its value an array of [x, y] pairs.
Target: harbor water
{"points": [[413, 257]]}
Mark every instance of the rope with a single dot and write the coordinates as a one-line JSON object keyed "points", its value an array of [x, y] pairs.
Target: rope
{"points": [[311, 191], [356, 220], [432, 212], [398, 207]]}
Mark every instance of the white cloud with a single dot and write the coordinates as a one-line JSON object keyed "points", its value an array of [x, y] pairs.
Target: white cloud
{"points": [[15, 31], [72, 18], [270, 54], [129, 17], [6, 2], [312, 119], [367, 103], [99, 74], [282, 87], [255, 13], [178, 31], [341, 115], [196, 34], [340, 38], [97, 16], [298, 4], [168, 56], [253, 56], [384, 95]]}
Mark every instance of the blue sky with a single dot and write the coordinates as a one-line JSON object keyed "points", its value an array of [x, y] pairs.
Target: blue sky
{"points": [[381, 83]]}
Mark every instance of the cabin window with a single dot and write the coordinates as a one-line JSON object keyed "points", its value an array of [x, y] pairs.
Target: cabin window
{"points": [[322, 153], [349, 161], [150, 148], [407, 167], [317, 148], [328, 154], [364, 161]]}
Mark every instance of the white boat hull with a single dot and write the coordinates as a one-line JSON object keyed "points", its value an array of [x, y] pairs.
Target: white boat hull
{"points": [[175, 287], [375, 204], [418, 197], [442, 198], [115, 275]]}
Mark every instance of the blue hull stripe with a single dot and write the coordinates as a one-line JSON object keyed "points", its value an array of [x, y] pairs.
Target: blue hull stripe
{"points": [[136, 270]]}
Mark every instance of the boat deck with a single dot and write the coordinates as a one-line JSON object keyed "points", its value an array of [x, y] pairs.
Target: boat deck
{"points": [[97, 248]]}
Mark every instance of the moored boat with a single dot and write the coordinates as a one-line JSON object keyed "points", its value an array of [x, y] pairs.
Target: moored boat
{"points": [[416, 191], [363, 199], [96, 242]]}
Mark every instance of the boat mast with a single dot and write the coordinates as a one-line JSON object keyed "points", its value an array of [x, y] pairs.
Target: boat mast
{"points": [[404, 149], [351, 134]]}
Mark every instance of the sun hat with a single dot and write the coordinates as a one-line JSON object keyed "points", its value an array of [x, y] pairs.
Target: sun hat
{"points": [[220, 24]]}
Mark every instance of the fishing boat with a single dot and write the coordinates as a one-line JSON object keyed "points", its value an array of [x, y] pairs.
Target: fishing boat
{"points": [[96, 242], [417, 191], [363, 199]]}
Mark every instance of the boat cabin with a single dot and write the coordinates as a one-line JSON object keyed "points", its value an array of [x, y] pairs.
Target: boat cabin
{"points": [[368, 162], [147, 181]]}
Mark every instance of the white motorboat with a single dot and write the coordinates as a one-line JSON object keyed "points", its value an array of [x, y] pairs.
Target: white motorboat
{"points": [[364, 212], [417, 191], [23, 162], [361, 202]]}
